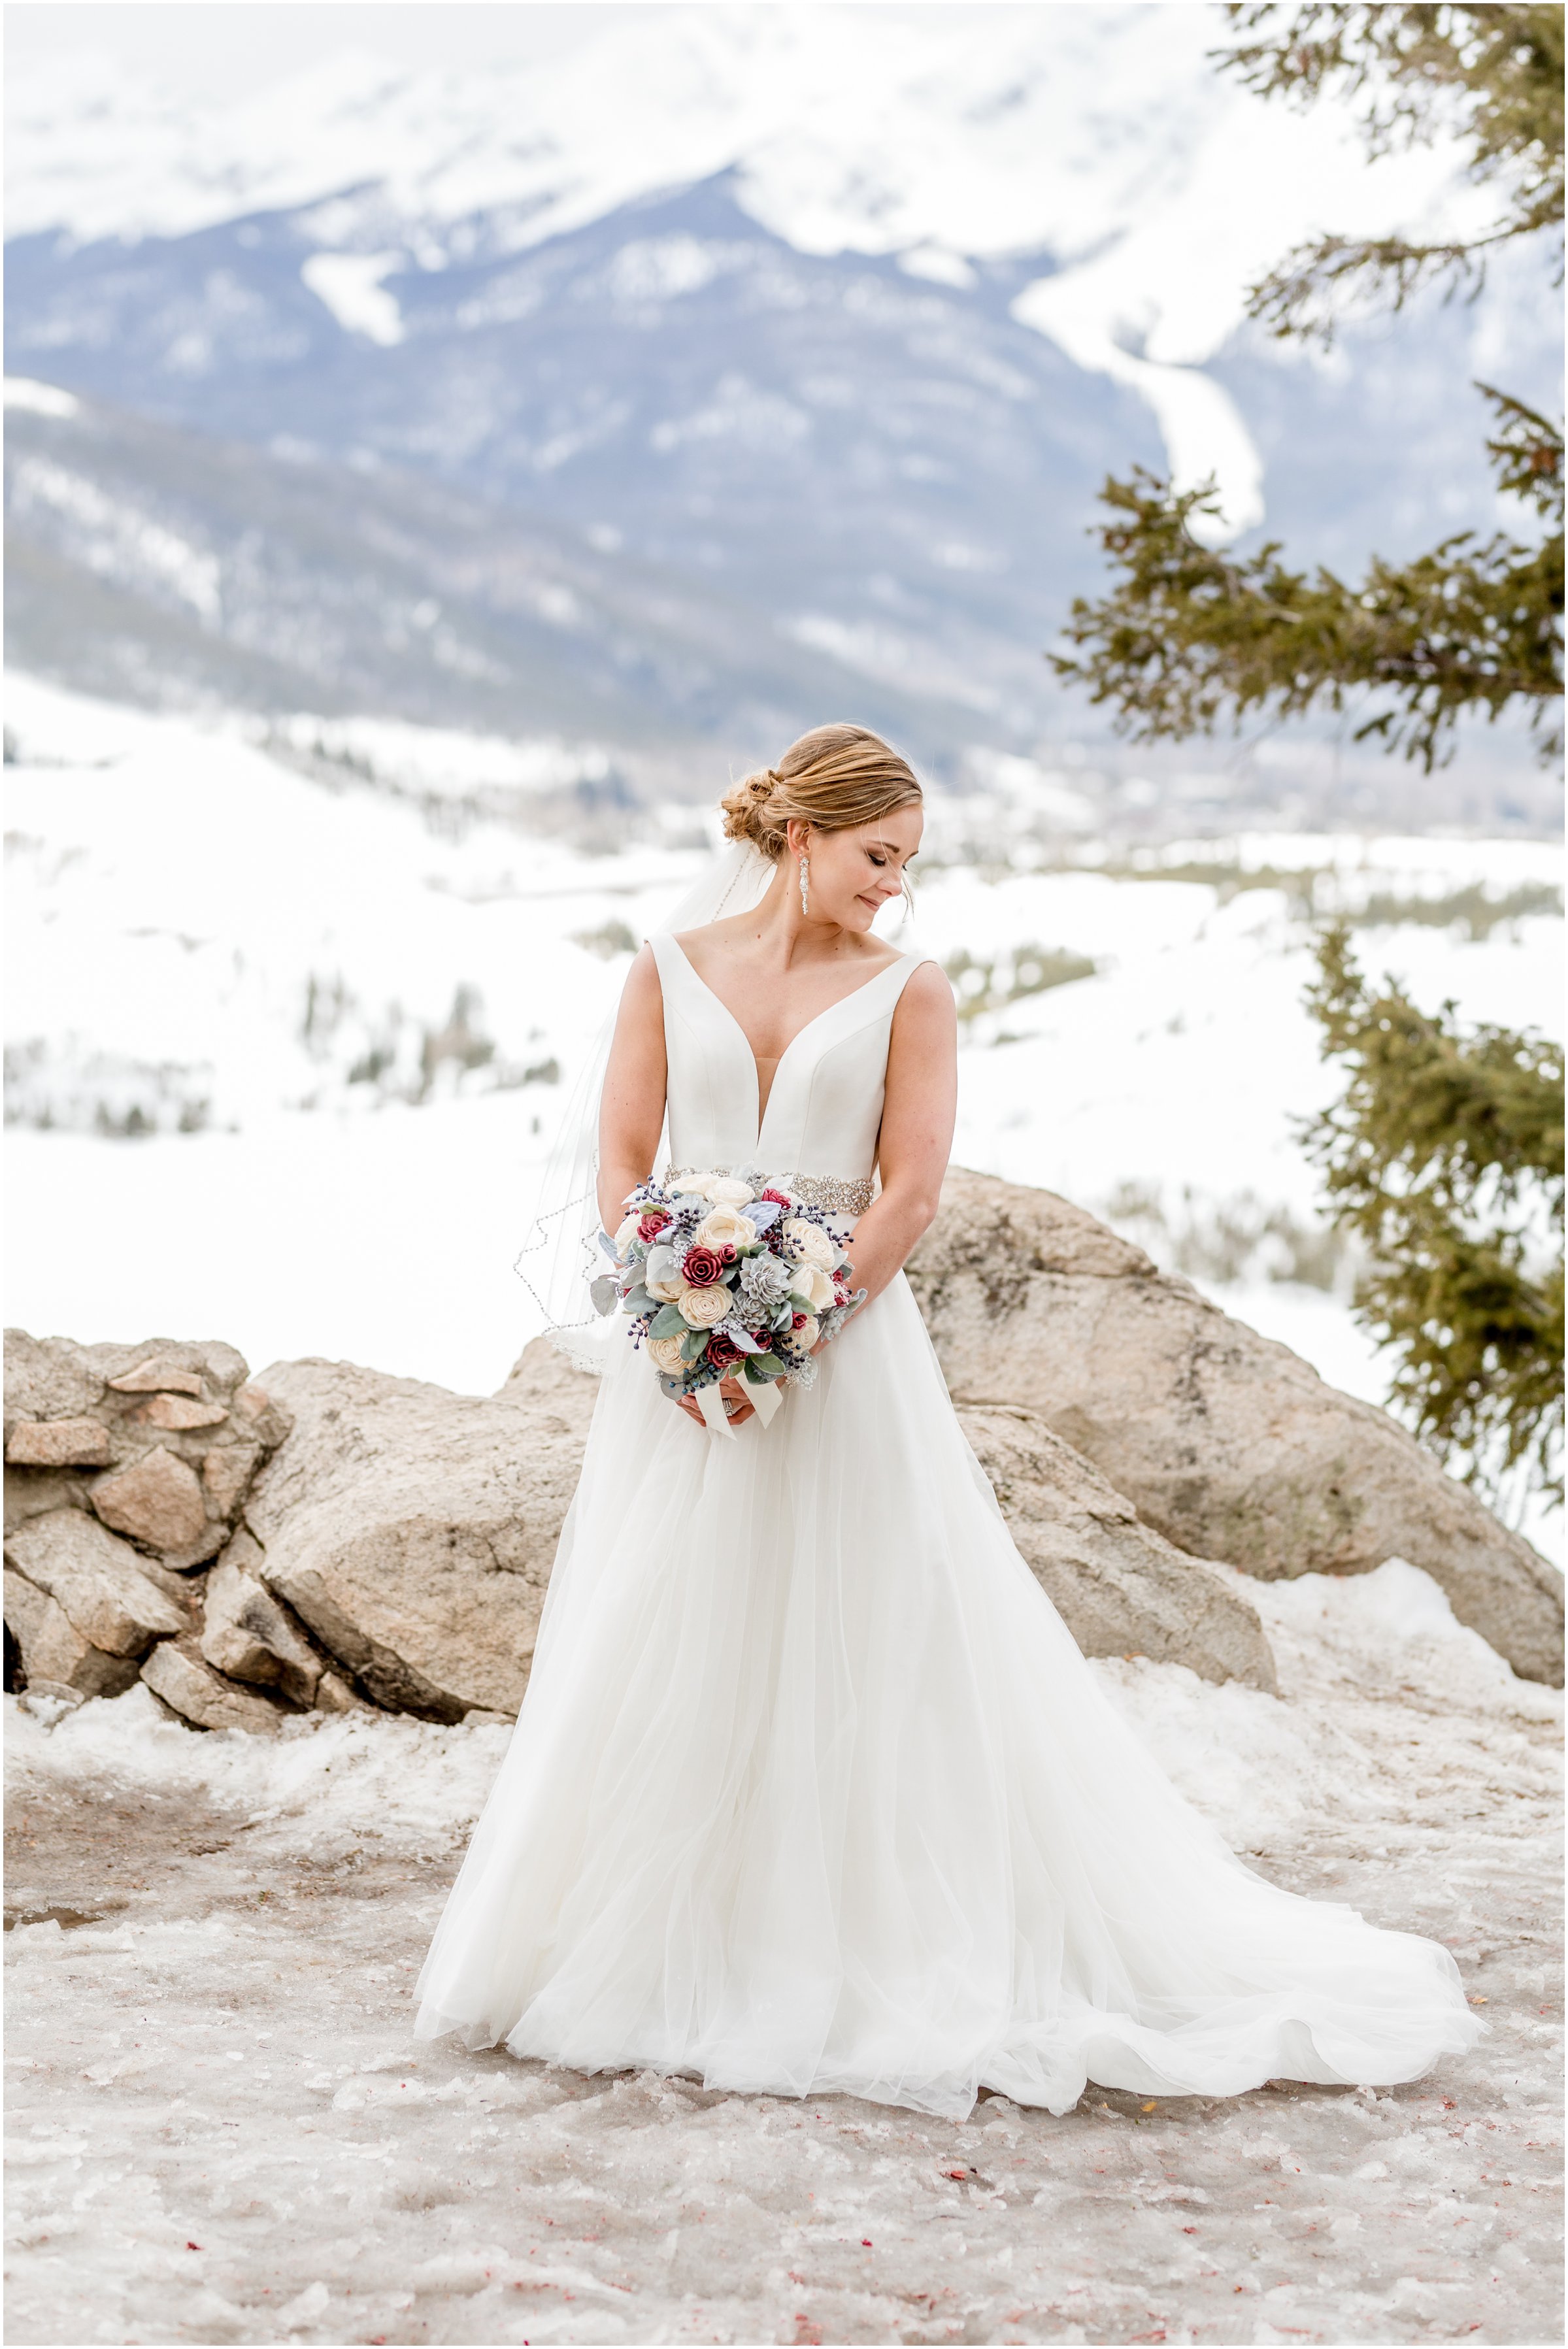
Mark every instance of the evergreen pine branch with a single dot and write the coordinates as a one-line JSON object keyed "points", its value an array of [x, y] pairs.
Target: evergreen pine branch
{"points": [[1445, 1157], [1526, 451], [1490, 74], [1191, 633]]}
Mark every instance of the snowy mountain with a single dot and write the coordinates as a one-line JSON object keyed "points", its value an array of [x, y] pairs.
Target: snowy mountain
{"points": [[152, 563], [1098, 140], [801, 337]]}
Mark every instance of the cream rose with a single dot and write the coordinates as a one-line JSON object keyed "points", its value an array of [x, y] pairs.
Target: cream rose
{"points": [[723, 1190], [705, 1307], [729, 1191], [661, 1275], [723, 1228], [809, 1243], [627, 1233], [807, 1336], [812, 1287], [665, 1354]]}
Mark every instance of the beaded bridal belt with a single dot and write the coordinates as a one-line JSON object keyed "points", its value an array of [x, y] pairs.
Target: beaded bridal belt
{"points": [[835, 1194]]}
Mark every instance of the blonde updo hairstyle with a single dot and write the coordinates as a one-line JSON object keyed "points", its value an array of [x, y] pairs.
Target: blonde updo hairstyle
{"points": [[835, 777]]}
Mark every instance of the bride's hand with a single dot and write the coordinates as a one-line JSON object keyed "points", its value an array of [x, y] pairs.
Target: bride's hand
{"points": [[731, 1391]]}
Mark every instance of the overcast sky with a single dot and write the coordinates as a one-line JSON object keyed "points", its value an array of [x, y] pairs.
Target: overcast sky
{"points": [[220, 48]]}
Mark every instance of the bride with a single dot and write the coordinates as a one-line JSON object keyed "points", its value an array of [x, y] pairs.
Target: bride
{"points": [[811, 1789]]}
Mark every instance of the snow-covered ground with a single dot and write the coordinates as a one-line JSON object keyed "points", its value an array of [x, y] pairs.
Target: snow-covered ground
{"points": [[220, 2130], [363, 992]]}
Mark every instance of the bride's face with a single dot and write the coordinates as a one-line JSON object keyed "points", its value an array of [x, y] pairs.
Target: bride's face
{"points": [[853, 874]]}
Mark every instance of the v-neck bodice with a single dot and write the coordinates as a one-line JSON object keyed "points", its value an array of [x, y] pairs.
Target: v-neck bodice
{"points": [[825, 1107]]}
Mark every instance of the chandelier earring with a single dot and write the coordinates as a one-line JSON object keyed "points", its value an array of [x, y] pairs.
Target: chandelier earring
{"points": [[805, 884], [907, 893]]}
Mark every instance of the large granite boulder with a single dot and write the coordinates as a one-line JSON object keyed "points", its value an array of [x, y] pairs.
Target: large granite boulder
{"points": [[1121, 1588], [1226, 1442], [412, 1530]]}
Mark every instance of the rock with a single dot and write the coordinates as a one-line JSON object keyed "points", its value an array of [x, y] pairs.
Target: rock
{"points": [[157, 1374], [413, 1530], [49, 1377], [1121, 1588], [158, 1500], [261, 1416], [542, 1374], [332, 1694], [178, 1410], [58, 1444], [189, 1400], [226, 1472], [250, 1635], [1228, 1444], [96, 1580], [54, 1654], [33, 1492], [177, 1673]]}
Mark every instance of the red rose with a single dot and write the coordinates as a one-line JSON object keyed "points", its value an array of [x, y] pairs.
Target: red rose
{"points": [[722, 1351], [780, 1198], [727, 1255], [798, 1320], [652, 1224], [701, 1267]]}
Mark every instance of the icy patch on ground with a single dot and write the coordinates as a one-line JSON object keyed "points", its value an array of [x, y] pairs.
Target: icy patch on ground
{"points": [[415, 1786], [222, 2131]]}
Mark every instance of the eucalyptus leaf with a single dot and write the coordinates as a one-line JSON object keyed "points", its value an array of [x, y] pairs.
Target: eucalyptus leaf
{"points": [[668, 1322], [605, 1292], [759, 1368]]}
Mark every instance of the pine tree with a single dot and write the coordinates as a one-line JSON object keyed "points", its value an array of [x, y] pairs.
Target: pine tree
{"points": [[1445, 1154], [1190, 633], [1445, 1157]]}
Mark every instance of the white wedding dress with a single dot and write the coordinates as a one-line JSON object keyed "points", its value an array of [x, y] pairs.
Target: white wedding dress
{"points": [[812, 1790]]}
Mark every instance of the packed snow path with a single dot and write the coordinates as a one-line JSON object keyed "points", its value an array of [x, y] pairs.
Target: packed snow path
{"points": [[222, 2130]]}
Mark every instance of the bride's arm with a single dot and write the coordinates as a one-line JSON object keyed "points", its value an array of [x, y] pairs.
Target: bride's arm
{"points": [[916, 1134], [632, 1108]]}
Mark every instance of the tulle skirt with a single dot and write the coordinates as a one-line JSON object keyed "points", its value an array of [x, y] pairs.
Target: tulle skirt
{"points": [[813, 1791]]}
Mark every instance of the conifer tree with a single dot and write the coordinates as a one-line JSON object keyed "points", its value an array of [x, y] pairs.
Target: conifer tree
{"points": [[1191, 633], [1445, 1158], [1445, 1154]]}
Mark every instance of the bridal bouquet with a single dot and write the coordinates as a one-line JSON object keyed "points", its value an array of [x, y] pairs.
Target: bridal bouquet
{"points": [[725, 1278]]}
